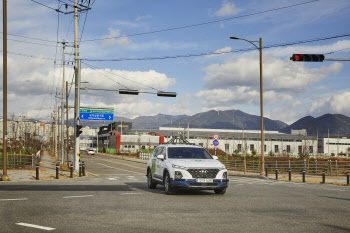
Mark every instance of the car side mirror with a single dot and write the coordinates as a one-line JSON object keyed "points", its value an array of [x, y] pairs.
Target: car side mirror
{"points": [[215, 157], [161, 157]]}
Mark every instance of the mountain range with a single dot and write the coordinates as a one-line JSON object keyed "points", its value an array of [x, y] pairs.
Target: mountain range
{"points": [[236, 119]]}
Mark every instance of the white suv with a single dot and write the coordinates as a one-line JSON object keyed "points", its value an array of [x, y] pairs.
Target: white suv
{"points": [[185, 167]]}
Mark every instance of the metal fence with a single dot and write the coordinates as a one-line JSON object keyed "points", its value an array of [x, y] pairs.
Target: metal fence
{"points": [[145, 156], [312, 167], [21, 161]]}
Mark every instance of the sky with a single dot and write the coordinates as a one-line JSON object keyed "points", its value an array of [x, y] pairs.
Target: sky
{"points": [[119, 38]]}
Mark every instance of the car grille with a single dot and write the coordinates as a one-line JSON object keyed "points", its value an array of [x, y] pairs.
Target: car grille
{"points": [[203, 173]]}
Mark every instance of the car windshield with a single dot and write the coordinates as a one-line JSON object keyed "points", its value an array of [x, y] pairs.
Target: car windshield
{"points": [[188, 153]]}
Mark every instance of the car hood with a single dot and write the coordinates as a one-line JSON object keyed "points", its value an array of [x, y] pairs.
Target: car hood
{"points": [[196, 162]]}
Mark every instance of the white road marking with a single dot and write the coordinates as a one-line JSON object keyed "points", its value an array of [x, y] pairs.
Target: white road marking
{"points": [[112, 178], [19, 199], [78, 196], [36, 226], [119, 168], [129, 193]]}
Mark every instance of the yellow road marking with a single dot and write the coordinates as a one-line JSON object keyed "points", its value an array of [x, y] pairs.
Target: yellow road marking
{"points": [[120, 163]]}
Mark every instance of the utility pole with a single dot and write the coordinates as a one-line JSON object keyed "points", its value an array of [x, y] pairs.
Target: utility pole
{"points": [[55, 125], [4, 176], [77, 87], [67, 129], [62, 104], [328, 142]]}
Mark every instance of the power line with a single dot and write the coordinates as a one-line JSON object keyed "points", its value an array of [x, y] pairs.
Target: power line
{"points": [[94, 67], [27, 37], [338, 50], [204, 23], [218, 53], [28, 42], [46, 6], [27, 55], [106, 76]]}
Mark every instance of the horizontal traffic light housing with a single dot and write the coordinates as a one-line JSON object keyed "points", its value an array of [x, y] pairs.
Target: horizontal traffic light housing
{"points": [[128, 92], [166, 94], [308, 57]]}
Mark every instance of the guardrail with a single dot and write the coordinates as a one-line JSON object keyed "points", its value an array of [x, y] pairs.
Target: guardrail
{"points": [[21, 161]]}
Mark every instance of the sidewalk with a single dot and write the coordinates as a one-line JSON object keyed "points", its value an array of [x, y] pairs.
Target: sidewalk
{"points": [[47, 171]]}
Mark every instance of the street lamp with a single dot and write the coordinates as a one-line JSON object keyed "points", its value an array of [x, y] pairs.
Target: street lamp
{"points": [[261, 98]]}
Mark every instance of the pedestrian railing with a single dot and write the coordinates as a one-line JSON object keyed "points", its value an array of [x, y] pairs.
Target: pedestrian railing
{"points": [[145, 156], [312, 167], [21, 161]]}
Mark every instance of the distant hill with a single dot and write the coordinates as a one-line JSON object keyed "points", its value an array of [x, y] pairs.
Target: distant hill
{"points": [[335, 123], [229, 119], [141, 122]]}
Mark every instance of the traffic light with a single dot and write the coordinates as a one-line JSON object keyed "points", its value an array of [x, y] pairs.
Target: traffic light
{"points": [[308, 57], [79, 131]]}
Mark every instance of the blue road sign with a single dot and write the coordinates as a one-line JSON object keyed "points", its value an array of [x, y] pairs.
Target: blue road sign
{"points": [[215, 142], [96, 116]]}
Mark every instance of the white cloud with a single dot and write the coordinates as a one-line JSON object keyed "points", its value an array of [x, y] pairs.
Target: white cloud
{"points": [[143, 17], [337, 103], [220, 52], [227, 9], [122, 41], [278, 75]]}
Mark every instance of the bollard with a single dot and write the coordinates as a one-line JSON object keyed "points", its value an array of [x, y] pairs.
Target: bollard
{"points": [[83, 168], [276, 173], [290, 174], [57, 168], [347, 178], [266, 174], [37, 171], [79, 169], [303, 175], [71, 170], [323, 177]]}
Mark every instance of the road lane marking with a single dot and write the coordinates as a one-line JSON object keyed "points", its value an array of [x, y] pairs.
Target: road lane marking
{"points": [[119, 168], [78, 196], [19, 199], [129, 193], [36, 226], [121, 163]]}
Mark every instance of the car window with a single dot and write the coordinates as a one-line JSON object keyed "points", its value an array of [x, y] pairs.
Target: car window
{"points": [[188, 153]]}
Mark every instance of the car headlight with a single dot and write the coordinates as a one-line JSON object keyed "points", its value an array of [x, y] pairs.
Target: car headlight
{"points": [[178, 175], [178, 166], [224, 176]]}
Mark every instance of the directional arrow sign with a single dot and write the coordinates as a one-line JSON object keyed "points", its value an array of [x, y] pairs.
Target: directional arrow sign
{"points": [[96, 115]]}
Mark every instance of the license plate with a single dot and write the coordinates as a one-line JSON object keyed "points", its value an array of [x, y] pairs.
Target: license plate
{"points": [[201, 180]]}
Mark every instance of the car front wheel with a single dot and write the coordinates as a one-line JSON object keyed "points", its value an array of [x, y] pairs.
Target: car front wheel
{"points": [[220, 191], [167, 185], [150, 183]]}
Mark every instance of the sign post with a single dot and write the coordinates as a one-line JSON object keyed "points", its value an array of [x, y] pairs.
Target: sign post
{"points": [[215, 143]]}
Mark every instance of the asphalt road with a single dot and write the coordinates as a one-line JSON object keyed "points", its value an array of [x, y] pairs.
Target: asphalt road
{"points": [[116, 199]]}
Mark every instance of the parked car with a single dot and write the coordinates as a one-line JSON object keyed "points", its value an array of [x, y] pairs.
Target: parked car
{"points": [[186, 167]]}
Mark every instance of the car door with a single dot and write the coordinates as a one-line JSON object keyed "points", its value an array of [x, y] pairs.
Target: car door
{"points": [[160, 164]]}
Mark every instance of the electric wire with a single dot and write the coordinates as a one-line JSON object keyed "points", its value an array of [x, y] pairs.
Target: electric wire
{"points": [[44, 5], [32, 38], [98, 70], [28, 42], [338, 51], [218, 53], [204, 23]]}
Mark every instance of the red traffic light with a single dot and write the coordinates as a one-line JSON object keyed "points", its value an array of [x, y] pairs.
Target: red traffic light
{"points": [[308, 57]]}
